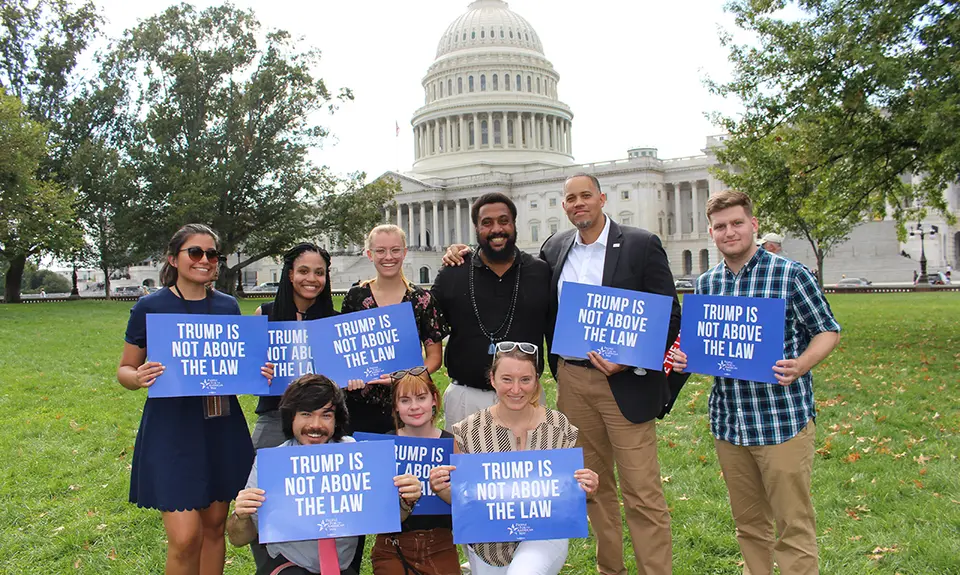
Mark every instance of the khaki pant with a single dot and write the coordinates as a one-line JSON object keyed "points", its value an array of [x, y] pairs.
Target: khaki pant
{"points": [[770, 483], [606, 436]]}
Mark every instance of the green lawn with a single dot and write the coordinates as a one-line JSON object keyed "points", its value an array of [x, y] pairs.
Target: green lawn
{"points": [[885, 480]]}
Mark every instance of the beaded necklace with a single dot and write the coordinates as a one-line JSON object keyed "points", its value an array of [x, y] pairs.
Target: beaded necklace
{"points": [[495, 335]]}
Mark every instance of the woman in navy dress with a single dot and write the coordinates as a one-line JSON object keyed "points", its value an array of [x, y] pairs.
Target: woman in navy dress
{"points": [[192, 454]]}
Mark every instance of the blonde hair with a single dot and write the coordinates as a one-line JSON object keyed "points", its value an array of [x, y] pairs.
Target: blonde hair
{"points": [[386, 229]]}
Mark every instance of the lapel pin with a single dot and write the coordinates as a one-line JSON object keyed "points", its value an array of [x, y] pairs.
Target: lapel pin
{"points": [[616, 245]]}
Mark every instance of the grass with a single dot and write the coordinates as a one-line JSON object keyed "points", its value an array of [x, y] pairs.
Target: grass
{"points": [[885, 477]]}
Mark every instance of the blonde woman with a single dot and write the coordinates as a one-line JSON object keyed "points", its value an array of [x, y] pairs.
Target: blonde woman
{"points": [[370, 403]]}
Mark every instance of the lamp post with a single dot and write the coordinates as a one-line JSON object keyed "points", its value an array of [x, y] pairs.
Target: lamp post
{"points": [[920, 231], [239, 275]]}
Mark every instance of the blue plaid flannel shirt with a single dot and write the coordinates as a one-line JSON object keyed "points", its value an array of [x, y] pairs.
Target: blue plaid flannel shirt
{"points": [[756, 413]]}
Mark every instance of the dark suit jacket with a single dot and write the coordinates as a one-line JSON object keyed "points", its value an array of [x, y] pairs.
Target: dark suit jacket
{"points": [[634, 260]]}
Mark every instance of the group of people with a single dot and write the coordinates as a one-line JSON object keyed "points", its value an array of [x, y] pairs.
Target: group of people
{"points": [[495, 306]]}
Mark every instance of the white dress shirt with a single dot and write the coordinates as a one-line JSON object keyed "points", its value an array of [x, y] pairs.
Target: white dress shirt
{"points": [[585, 261]]}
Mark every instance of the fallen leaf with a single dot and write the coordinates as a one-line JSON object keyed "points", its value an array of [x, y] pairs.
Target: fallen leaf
{"points": [[76, 564], [112, 555], [855, 456], [58, 529]]}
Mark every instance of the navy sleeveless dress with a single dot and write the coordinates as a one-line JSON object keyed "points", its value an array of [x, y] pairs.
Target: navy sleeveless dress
{"points": [[182, 461]]}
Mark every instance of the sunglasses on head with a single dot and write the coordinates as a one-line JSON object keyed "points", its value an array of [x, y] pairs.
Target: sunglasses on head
{"points": [[525, 347], [402, 373], [196, 254]]}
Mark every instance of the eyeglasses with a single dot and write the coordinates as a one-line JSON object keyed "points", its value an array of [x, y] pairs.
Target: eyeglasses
{"points": [[394, 252], [402, 373], [196, 254], [525, 347]]}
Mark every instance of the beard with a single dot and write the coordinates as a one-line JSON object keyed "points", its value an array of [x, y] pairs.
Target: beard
{"points": [[504, 254], [585, 224]]}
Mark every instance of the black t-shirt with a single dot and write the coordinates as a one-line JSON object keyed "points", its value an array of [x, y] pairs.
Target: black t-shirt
{"points": [[425, 522], [468, 350], [316, 311]]}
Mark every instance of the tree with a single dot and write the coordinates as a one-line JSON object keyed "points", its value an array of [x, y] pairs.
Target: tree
{"points": [[221, 126], [39, 46], [103, 179], [841, 103], [345, 216], [37, 215]]}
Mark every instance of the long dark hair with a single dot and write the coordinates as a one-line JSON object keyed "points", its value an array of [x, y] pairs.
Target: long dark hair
{"points": [[284, 308], [310, 393], [168, 273]]}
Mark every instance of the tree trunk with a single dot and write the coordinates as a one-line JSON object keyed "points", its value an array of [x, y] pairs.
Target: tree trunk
{"points": [[819, 254], [106, 281], [227, 281], [14, 277]]}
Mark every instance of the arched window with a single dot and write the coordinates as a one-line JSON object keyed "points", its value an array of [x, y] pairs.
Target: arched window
{"points": [[496, 82], [483, 33], [501, 32], [535, 231], [496, 131], [538, 84], [473, 34], [509, 132], [441, 88], [424, 275], [529, 84], [483, 82], [433, 92], [704, 260], [687, 262], [450, 87], [553, 224], [471, 133], [483, 133], [459, 85], [518, 83], [470, 83], [511, 33], [506, 82]]}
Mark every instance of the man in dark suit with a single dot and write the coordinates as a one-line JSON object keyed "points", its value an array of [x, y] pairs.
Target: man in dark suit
{"points": [[614, 406]]}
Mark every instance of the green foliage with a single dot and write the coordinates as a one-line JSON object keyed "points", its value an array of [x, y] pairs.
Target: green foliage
{"points": [[841, 103], [220, 128], [40, 43], [37, 215], [347, 215]]}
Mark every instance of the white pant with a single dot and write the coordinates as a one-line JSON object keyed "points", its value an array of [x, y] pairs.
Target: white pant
{"points": [[460, 401], [530, 558]]}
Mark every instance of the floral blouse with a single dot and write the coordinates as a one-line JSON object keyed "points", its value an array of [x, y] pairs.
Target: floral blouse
{"points": [[371, 409]]}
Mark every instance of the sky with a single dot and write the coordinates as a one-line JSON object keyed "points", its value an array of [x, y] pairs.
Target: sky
{"points": [[632, 71]]}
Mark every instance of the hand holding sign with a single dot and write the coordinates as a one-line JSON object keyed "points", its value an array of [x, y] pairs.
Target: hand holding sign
{"points": [[149, 372], [248, 501], [737, 337], [618, 327]]}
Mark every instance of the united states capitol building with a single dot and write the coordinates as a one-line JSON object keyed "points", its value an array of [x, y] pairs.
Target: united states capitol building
{"points": [[493, 121]]}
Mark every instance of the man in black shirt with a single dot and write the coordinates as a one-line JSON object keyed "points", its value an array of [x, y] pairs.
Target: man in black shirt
{"points": [[501, 294]]}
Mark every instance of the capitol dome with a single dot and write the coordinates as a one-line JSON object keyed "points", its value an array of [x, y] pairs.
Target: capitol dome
{"points": [[489, 23], [490, 99]]}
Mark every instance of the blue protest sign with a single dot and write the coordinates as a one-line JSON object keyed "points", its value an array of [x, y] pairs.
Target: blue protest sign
{"points": [[728, 336], [289, 352], [365, 344], [623, 326], [207, 354], [417, 456], [329, 490], [517, 496]]}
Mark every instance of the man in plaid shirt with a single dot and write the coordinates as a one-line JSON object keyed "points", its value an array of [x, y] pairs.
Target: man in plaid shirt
{"points": [[764, 433]]}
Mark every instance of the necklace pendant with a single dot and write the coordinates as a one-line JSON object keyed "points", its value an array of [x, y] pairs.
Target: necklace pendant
{"points": [[492, 349]]}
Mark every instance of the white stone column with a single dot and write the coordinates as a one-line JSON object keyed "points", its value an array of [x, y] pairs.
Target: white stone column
{"points": [[459, 236], [436, 226], [476, 132], [398, 217], [416, 144], [570, 137], [534, 132], [516, 129], [695, 209], [463, 133], [446, 225], [422, 229], [554, 140], [489, 130], [677, 216], [436, 137]]}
